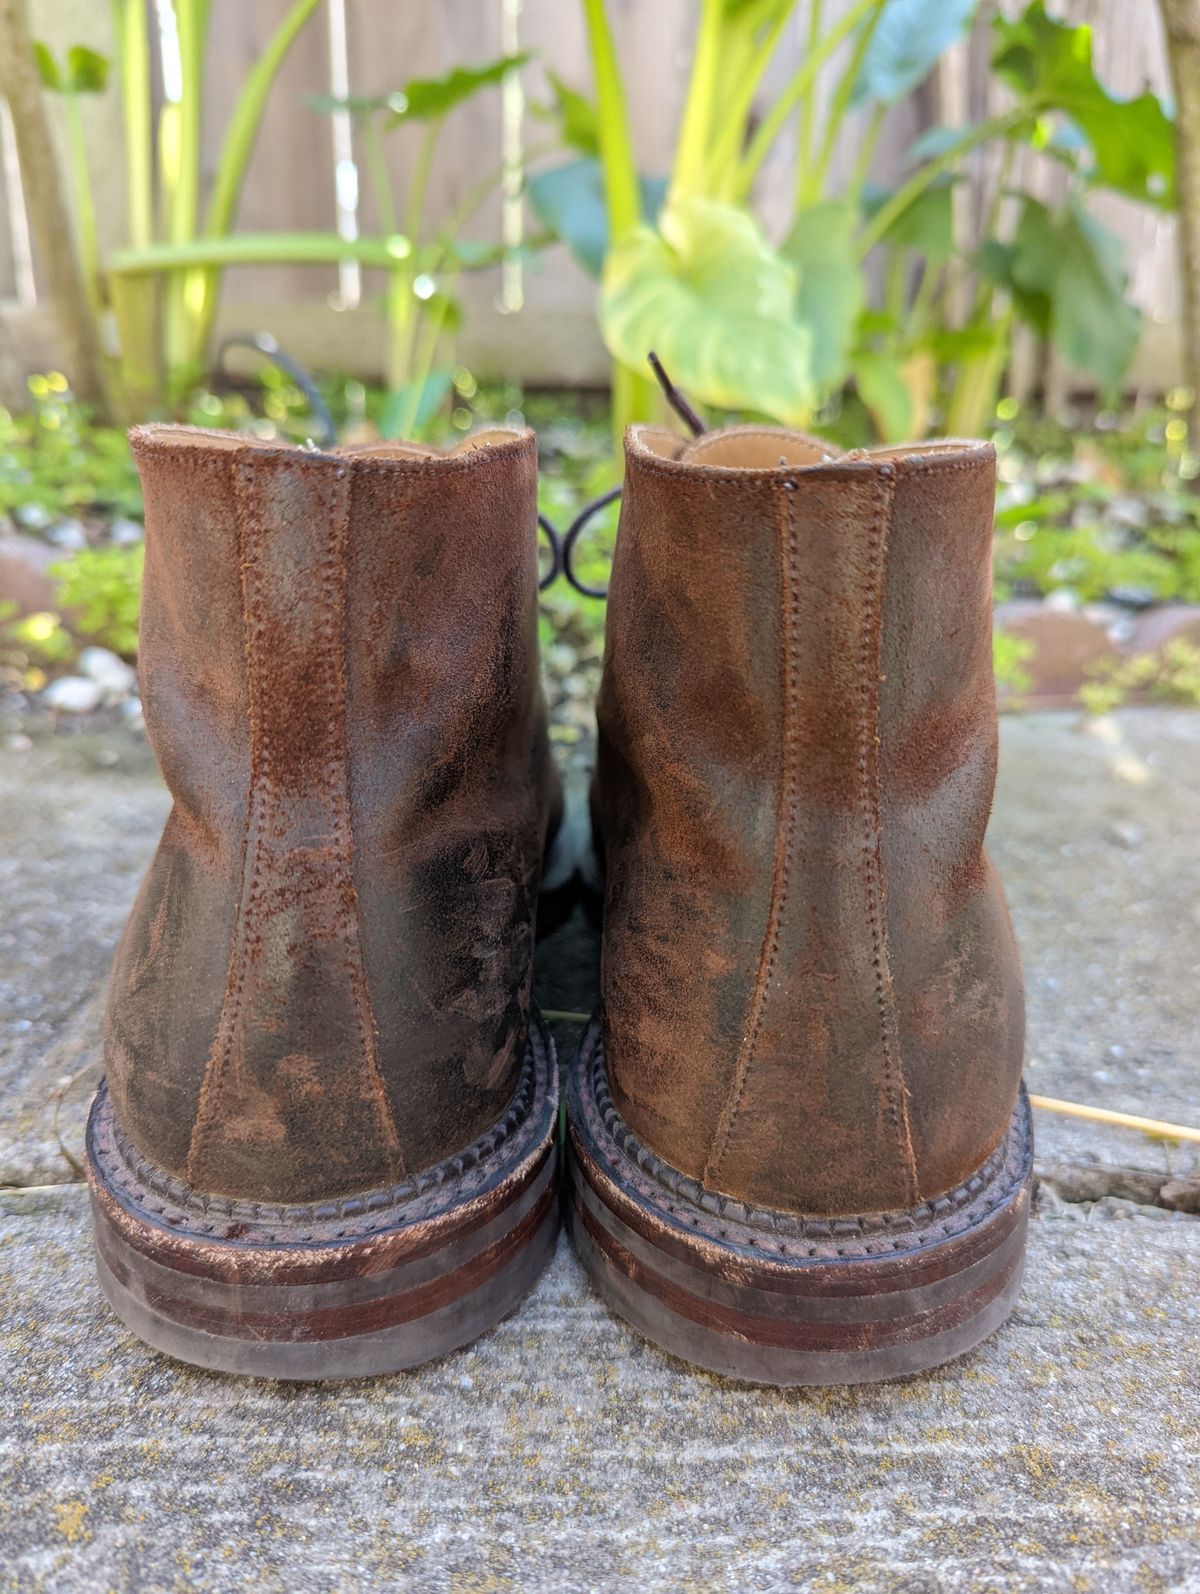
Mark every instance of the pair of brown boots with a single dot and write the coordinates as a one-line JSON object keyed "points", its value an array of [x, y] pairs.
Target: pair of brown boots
{"points": [[327, 1140]]}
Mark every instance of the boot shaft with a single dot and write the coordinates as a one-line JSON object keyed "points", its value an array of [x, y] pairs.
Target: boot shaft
{"points": [[811, 993], [324, 985]]}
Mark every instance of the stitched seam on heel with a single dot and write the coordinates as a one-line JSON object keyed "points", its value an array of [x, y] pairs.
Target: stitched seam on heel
{"points": [[874, 878], [785, 833], [231, 1005], [335, 580]]}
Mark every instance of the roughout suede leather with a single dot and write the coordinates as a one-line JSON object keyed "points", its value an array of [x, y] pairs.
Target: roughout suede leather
{"points": [[812, 999], [325, 982]]}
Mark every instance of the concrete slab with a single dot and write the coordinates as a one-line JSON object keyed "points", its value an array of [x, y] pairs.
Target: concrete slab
{"points": [[1095, 835], [561, 1453]]}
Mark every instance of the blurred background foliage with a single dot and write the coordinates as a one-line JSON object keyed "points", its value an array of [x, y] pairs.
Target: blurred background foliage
{"points": [[868, 314]]}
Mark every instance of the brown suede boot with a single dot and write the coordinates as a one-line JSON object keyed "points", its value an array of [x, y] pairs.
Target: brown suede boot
{"points": [[324, 1145], [800, 1153]]}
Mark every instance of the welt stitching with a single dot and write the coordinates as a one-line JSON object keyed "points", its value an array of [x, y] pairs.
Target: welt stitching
{"points": [[337, 775], [872, 844], [231, 1006], [785, 839]]}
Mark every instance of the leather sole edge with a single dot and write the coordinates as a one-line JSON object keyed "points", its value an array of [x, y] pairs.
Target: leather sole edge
{"points": [[736, 1307], [396, 1298]]}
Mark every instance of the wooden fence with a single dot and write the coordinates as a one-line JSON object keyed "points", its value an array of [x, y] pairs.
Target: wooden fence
{"points": [[552, 336]]}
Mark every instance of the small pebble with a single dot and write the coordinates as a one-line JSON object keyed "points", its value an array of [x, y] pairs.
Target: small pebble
{"points": [[112, 675], [68, 534], [73, 694]]}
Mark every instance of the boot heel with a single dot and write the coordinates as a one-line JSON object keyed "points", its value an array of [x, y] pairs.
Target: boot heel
{"points": [[777, 1298], [370, 1283]]}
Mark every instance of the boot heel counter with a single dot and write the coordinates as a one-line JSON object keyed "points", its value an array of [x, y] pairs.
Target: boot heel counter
{"points": [[291, 1095]]}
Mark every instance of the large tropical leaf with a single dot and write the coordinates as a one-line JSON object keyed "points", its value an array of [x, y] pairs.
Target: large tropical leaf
{"points": [[829, 290], [426, 98], [569, 201], [707, 291], [1050, 62], [906, 44], [1077, 268]]}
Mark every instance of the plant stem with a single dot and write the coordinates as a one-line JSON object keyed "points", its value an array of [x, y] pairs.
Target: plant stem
{"points": [[381, 183], [892, 209], [723, 160], [632, 393], [414, 211], [262, 249], [808, 109], [926, 294], [688, 177], [1182, 19], [134, 48], [234, 159], [184, 291], [621, 194], [866, 152], [839, 105], [801, 83], [85, 209], [48, 213]]}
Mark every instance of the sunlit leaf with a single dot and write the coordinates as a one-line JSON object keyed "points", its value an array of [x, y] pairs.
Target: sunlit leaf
{"points": [[907, 42], [87, 70], [84, 71], [829, 292], [1131, 141], [47, 68], [574, 115], [426, 99], [709, 294]]}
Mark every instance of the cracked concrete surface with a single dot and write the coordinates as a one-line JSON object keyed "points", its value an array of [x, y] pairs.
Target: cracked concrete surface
{"points": [[560, 1452]]}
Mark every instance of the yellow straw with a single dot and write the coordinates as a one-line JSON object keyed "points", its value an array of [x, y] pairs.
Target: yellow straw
{"points": [[1125, 1120]]}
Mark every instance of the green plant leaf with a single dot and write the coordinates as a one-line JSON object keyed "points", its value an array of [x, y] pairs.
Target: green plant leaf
{"points": [[710, 295], [927, 225], [908, 39], [411, 408], [84, 71], [569, 201], [1131, 141], [426, 99], [830, 289], [881, 386], [575, 116], [997, 263], [1078, 267], [87, 70], [47, 68]]}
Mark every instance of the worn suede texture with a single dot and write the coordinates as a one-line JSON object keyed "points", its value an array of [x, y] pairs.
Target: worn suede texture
{"points": [[812, 999], [324, 986]]}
